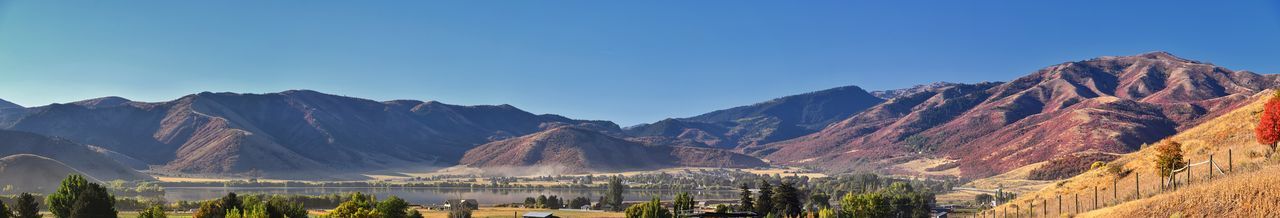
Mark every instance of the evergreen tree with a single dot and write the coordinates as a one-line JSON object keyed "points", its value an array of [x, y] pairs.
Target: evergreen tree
{"points": [[231, 201], [745, 204], [614, 193], [542, 201], [94, 202], [27, 206], [786, 200], [412, 214], [764, 201]]}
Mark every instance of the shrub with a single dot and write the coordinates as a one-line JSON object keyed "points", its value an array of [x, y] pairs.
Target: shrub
{"points": [[1097, 164], [1068, 166], [155, 211]]}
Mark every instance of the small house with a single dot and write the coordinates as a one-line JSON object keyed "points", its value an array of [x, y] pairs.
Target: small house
{"points": [[470, 204], [539, 215]]}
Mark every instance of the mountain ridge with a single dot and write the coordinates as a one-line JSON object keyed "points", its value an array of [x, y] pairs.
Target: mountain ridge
{"points": [[293, 131], [1110, 103], [764, 122]]}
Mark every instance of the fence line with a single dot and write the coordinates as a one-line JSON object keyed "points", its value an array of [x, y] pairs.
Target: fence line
{"points": [[1074, 205]]}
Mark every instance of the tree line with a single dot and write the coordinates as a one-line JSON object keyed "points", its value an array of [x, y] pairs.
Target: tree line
{"points": [[864, 195]]}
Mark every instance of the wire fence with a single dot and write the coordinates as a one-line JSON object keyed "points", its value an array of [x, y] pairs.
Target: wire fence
{"points": [[1122, 189]]}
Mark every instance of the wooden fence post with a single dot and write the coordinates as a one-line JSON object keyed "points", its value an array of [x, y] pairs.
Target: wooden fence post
{"points": [[1059, 205], [1077, 203], [1161, 183], [1230, 164], [1211, 166], [1188, 174], [1137, 187], [1031, 210], [1115, 191], [1095, 198], [1045, 209]]}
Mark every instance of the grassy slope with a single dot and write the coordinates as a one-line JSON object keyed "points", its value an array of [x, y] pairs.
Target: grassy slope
{"points": [[1249, 194], [1233, 131]]}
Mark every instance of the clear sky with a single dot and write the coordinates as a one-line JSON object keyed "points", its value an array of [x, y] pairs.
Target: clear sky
{"points": [[625, 61]]}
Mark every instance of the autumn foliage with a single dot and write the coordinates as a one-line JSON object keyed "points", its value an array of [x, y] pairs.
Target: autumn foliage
{"points": [[1268, 130], [1169, 157]]}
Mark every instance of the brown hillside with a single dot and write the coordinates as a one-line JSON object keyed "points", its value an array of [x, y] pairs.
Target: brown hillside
{"points": [[576, 150], [80, 157], [1232, 131], [33, 173], [1108, 104]]}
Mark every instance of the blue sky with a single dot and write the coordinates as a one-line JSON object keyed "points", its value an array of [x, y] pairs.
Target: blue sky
{"points": [[625, 61]]}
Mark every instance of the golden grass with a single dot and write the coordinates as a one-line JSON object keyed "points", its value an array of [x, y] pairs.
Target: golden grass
{"points": [[1232, 131], [1250, 194], [919, 166]]}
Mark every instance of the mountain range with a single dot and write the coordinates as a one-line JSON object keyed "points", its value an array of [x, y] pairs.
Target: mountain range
{"points": [[1107, 104]]}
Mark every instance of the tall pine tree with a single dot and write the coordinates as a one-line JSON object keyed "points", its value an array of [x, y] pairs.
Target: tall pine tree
{"points": [[27, 206], [764, 201], [786, 200], [745, 204]]}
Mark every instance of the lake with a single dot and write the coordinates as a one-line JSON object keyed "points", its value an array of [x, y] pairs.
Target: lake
{"points": [[437, 195]]}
